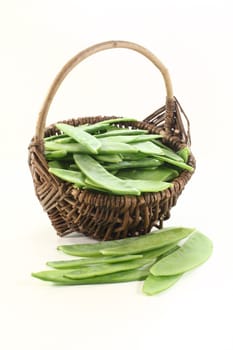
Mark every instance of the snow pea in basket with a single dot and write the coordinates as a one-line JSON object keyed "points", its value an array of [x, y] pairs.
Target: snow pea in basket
{"points": [[99, 214]]}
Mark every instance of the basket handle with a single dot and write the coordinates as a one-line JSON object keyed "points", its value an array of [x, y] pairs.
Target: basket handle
{"points": [[90, 51]]}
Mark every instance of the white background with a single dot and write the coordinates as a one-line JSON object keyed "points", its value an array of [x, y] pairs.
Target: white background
{"points": [[194, 40]]}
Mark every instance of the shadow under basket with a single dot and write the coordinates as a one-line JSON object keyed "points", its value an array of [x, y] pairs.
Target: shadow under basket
{"points": [[98, 215]]}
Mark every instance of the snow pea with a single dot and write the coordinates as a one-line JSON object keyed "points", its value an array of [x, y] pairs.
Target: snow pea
{"points": [[140, 163], [93, 249], [172, 155], [90, 249], [148, 185], [100, 176], [194, 252], [150, 241], [90, 185], [157, 253], [81, 136], [130, 138], [181, 165], [122, 131], [57, 154], [66, 139], [57, 276], [116, 148], [184, 153], [54, 137], [72, 264], [75, 177], [112, 158], [149, 148], [104, 125], [104, 269], [140, 185], [156, 284], [55, 164], [106, 148], [158, 174]]}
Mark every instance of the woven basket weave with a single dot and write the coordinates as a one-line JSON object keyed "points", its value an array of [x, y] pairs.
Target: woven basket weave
{"points": [[98, 215]]}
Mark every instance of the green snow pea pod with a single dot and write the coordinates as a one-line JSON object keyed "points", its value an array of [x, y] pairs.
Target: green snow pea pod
{"points": [[104, 125], [130, 138], [116, 148], [168, 152], [181, 165], [72, 264], [94, 249], [161, 252], [55, 164], [172, 155], [90, 185], [150, 241], [140, 185], [184, 153], [57, 276], [194, 252], [104, 269], [149, 148], [112, 158], [54, 137], [100, 176], [88, 249], [81, 136], [158, 174], [57, 154], [66, 139], [106, 148], [75, 177], [66, 147], [149, 185], [140, 163], [122, 131], [156, 284]]}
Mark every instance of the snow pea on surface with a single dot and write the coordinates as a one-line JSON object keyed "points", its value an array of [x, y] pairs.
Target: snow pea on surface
{"points": [[194, 252]]}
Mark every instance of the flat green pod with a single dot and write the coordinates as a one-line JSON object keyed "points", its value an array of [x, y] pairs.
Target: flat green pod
{"points": [[81, 136], [150, 241], [130, 138], [149, 185], [56, 154], [89, 249], [160, 173], [132, 164], [72, 264], [75, 177], [184, 153], [108, 158], [104, 269], [149, 148], [55, 164], [122, 131], [57, 277], [156, 284], [194, 252], [181, 165], [101, 177]]}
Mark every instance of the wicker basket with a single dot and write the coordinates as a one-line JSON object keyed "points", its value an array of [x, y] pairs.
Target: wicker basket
{"points": [[98, 215]]}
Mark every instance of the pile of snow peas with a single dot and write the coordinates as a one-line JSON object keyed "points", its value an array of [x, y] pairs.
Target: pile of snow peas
{"points": [[117, 160], [158, 259]]}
